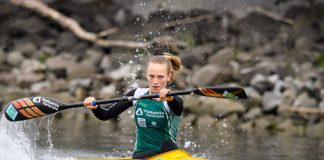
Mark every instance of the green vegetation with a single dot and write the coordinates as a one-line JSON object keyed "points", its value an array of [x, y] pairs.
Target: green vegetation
{"points": [[186, 36], [320, 60], [43, 57]]}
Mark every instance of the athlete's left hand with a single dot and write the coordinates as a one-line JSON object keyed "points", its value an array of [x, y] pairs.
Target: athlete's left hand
{"points": [[163, 96]]}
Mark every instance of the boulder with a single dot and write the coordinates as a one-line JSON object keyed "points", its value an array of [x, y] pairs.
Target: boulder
{"points": [[15, 58], [261, 83], [31, 71], [270, 102], [222, 57], [303, 100], [212, 75]]}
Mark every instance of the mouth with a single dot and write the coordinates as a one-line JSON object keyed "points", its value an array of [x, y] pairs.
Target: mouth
{"points": [[155, 88]]}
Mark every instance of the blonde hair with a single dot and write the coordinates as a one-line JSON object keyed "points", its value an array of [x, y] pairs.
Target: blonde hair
{"points": [[173, 62]]}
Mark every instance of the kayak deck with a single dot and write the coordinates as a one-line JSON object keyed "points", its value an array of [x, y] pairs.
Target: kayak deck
{"points": [[177, 154]]}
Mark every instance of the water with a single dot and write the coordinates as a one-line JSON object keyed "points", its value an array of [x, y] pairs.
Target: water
{"points": [[51, 139]]}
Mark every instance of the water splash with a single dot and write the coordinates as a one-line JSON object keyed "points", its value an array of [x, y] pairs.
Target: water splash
{"points": [[50, 148], [15, 142]]}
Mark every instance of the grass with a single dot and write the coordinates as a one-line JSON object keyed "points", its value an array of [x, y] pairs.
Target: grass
{"points": [[320, 60]]}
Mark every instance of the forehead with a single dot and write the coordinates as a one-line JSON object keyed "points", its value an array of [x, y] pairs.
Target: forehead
{"points": [[156, 68]]}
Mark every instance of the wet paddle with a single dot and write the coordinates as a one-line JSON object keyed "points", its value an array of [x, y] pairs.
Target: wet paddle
{"points": [[33, 107]]}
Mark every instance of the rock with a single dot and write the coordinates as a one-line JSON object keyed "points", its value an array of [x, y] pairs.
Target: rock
{"points": [[254, 98], [60, 64], [289, 95], [58, 85], [180, 78], [264, 68], [211, 75], [79, 83], [244, 58], [31, 71], [75, 71], [120, 59], [188, 120], [120, 17], [80, 93], [247, 126], [305, 71], [222, 58], [28, 49], [270, 102], [220, 107], [106, 64], [15, 58], [321, 105], [40, 86], [192, 104], [303, 100], [261, 83], [256, 29], [32, 25], [66, 40], [206, 121], [196, 55], [92, 57], [253, 113], [7, 78], [125, 71], [108, 91], [246, 75], [3, 56]]}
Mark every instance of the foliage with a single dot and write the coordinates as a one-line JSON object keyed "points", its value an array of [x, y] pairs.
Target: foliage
{"points": [[320, 60], [186, 36]]}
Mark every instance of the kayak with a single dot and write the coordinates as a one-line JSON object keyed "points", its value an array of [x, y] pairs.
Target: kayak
{"points": [[177, 154]]}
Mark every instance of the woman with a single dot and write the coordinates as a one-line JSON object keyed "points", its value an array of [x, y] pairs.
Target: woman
{"points": [[156, 120]]}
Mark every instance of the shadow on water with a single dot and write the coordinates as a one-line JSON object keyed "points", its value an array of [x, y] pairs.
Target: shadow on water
{"points": [[49, 138]]}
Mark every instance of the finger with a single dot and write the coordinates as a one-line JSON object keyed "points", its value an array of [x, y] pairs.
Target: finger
{"points": [[92, 107]]}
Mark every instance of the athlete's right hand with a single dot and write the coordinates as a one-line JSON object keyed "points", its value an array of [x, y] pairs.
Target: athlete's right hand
{"points": [[88, 103]]}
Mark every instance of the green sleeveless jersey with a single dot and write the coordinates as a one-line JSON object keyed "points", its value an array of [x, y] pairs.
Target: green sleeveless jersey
{"points": [[155, 123]]}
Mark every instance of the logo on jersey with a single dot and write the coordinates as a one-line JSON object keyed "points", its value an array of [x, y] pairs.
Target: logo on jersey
{"points": [[141, 122], [139, 112]]}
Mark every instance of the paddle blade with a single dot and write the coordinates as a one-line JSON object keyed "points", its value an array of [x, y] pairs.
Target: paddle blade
{"points": [[32, 107], [222, 92]]}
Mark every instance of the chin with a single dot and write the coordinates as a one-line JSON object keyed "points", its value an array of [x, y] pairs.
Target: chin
{"points": [[155, 90]]}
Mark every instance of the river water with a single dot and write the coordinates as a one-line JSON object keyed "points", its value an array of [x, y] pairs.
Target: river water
{"points": [[51, 139]]}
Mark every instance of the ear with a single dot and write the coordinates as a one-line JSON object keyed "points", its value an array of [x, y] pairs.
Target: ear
{"points": [[169, 77]]}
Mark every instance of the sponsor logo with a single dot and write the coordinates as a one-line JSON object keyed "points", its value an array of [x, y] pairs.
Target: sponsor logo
{"points": [[37, 99], [139, 112], [141, 122], [50, 104], [46, 102], [11, 112], [229, 95], [153, 123]]}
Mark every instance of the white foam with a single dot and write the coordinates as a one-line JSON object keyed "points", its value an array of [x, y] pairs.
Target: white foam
{"points": [[14, 142]]}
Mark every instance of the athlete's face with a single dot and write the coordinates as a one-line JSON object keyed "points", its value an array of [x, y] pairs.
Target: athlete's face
{"points": [[157, 76]]}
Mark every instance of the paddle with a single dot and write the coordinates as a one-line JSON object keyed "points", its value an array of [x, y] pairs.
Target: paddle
{"points": [[33, 107]]}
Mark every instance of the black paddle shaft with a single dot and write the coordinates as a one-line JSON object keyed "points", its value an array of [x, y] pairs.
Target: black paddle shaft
{"points": [[33, 107]]}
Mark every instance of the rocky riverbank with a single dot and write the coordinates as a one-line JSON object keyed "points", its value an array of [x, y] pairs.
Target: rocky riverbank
{"points": [[278, 57]]}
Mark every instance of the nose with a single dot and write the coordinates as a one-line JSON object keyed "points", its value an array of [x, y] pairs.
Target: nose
{"points": [[155, 80]]}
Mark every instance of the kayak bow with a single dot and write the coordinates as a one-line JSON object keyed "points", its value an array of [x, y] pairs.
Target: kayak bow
{"points": [[177, 154]]}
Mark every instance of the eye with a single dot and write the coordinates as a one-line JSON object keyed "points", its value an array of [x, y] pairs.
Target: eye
{"points": [[160, 77]]}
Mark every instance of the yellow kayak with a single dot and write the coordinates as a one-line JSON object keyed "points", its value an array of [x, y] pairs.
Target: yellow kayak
{"points": [[177, 154]]}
